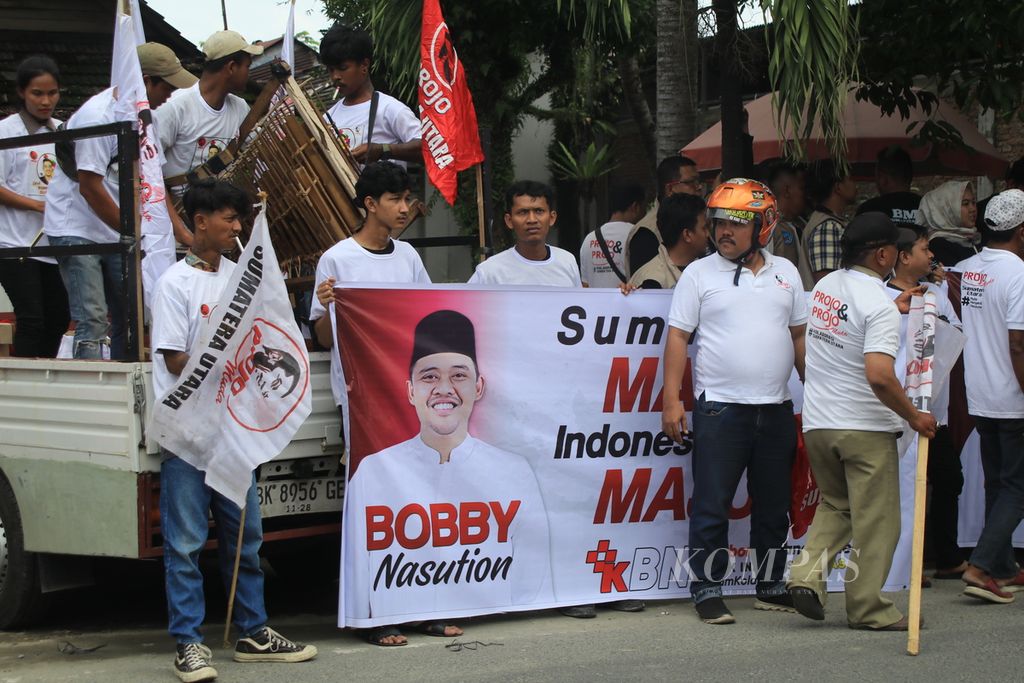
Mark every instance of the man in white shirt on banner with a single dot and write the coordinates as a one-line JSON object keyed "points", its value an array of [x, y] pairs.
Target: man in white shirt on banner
{"points": [[82, 208], [184, 296], [444, 464], [530, 212], [374, 125], [853, 403], [603, 252], [992, 287], [752, 314]]}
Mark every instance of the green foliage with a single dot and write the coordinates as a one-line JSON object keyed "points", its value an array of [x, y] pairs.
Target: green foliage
{"points": [[812, 61], [594, 163]]}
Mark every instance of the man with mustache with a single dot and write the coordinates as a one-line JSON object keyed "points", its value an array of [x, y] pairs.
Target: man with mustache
{"points": [[752, 315]]}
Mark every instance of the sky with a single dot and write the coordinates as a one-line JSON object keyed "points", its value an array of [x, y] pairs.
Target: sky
{"points": [[254, 19]]}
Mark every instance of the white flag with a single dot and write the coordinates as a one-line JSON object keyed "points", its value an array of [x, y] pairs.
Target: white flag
{"points": [[133, 105], [245, 390], [921, 350], [288, 42]]}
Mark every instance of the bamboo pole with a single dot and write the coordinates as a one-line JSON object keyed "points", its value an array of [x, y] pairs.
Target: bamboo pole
{"points": [[234, 579], [917, 552], [480, 211]]}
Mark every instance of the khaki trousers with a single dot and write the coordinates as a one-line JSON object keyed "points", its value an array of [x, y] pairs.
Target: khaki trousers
{"points": [[858, 477]]}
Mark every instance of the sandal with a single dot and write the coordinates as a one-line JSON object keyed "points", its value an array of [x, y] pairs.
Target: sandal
{"points": [[376, 636], [435, 628]]}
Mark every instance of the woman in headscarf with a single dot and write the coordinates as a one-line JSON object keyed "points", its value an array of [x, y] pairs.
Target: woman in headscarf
{"points": [[33, 285], [949, 212]]}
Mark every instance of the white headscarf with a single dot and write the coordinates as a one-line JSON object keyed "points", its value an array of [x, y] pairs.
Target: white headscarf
{"points": [[940, 213]]}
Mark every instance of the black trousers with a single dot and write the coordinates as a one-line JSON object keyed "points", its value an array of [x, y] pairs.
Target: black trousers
{"points": [[40, 302], [946, 476]]}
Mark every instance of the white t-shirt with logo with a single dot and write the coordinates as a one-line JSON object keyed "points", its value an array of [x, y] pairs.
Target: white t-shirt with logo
{"points": [[746, 349], [944, 309], [26, 171], [348, 262], [67, 213], [851, 315], [394, 124], [509, 267], [992, 291], [183, 303], [594, 268], [192, 132]]}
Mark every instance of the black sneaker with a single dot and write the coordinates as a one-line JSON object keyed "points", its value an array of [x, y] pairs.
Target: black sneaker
{"points": [[193, 663], [806, 602], [579, 611], [267, 645], [775, 603], [714, 611]]}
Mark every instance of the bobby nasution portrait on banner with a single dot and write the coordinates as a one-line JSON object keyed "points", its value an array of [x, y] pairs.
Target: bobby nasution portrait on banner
{"points": [[444, 522]]}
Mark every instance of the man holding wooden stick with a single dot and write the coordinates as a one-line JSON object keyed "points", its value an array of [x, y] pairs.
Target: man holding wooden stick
{"points": [[852, 405]]}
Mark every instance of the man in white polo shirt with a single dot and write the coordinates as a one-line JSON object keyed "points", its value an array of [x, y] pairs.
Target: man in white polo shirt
{"points": [[752, 314], [992, 287], [529, 214], [853, 403]]}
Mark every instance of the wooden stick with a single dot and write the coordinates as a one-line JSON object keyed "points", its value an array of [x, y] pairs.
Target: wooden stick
{"points": [[234, 580], [480, 210], [917, 553]]}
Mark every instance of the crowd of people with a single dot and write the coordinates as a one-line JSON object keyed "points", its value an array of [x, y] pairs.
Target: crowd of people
{"points": [[768, 274]]}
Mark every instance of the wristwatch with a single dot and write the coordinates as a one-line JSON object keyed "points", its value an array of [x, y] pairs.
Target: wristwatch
{"points": [[385, 152]]}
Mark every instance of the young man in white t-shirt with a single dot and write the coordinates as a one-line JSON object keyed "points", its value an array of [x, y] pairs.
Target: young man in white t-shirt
{"points": [[752, 314], [199, 122], [626, 205], [184, 295], [853, 403], [992, 287], [945, 473], [83, 210], [370, 255], [529, 214], [348, 55]]}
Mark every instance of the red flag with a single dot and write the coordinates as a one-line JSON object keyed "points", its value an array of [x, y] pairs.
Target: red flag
{"points": [[451, 141]]}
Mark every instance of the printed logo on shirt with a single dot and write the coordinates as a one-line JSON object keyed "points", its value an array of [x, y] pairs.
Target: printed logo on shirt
{"points": [[828, 313], [40, 172], [781, 282], [206, 149], [972, 288]]}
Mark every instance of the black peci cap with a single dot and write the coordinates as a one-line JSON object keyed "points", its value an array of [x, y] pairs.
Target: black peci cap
{"points": [[869, 230], [443, 332]]}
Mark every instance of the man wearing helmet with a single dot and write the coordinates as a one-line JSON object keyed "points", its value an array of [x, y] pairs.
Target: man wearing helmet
{"points": [[752, 314]]}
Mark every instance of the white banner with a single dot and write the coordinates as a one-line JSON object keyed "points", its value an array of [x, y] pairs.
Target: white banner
{"points": [[245, 390], [133, 105], [534, 473]]}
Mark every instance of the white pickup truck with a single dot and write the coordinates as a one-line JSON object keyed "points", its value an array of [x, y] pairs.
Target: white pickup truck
{"points": [[79, 478]]}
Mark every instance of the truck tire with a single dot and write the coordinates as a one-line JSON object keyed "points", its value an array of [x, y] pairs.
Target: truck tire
{"points": [[21, 601]]}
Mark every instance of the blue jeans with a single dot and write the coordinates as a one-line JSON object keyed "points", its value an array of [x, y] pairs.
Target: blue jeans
{"points": [[185, 504], [1002, 459], [94, 287], [730, 438]]}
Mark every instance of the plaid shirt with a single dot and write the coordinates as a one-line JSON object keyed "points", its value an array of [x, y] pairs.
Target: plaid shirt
{"points": [[823, 249]]}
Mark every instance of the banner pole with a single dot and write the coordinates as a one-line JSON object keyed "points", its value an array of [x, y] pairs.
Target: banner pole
{"points": [[917, 551], [234, 579], [480, 211]]}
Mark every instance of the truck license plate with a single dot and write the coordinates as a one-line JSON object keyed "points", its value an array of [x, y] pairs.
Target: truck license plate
{"points": [[300, 496]]}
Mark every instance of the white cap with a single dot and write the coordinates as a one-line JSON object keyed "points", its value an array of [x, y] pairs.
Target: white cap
{"points": [[1005, 211]]}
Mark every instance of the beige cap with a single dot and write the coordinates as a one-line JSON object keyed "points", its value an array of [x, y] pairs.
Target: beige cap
{"points": [[224, 43], [158, 60]]}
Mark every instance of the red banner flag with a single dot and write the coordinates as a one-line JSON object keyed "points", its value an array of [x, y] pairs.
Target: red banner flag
{"points": [[451, 141]]}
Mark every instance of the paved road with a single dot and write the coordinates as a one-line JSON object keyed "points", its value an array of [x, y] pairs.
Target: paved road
{"points": [[964, 640]]}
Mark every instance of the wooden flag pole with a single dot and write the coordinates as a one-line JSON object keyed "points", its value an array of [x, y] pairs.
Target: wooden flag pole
{"points": [[917, 552], [480, 211], [234, 579]]}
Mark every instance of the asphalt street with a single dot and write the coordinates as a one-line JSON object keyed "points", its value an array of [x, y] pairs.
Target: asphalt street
{"points": [[964, 640]]}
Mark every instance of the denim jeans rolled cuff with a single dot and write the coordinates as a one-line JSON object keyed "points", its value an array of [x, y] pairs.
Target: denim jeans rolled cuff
{"points": [[704, 590], [1002, 459], [95, 290], [185, 506]]}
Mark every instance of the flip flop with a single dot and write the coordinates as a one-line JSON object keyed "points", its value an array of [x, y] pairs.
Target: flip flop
{"points": [[988, 591], [434, 628], [377, 635]]}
